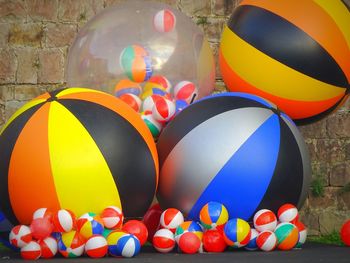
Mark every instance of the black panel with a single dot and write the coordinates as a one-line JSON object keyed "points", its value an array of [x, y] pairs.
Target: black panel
{"points": [[7, 144], [283, 41], [194, 115], [287, 181], [125, 151]]}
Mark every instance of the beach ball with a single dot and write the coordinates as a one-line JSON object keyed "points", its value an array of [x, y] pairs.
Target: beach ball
{"points": [[288, 213], [164, 21], [20, 236], [171, 218], [158, 81], [213, 241], [252, 245], [126, 86], [43, 213], [48, 247], [96, 246], [345, 233], [163, 240], [265, 219], [287, 236], [154, 90], [64, 220], [90, 224], [237, 233], [71, 244], [31, 251], [266, 241], [132, 100], [41, 228], [138, 229], [121, 244], [77, 149], [302, 234], [302, 69], [151, 220], [188, 226], [189, 243], [136, 40], [213, 215], [185, 90], [154, 126], [112, 217], [236, 149], [149, 102], [136, 63], [180, 105], [163, 110]]}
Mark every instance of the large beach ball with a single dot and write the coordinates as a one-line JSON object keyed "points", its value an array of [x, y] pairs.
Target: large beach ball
{"points": [[236, 149], [136, 40], [78, 149], [293, 53]]}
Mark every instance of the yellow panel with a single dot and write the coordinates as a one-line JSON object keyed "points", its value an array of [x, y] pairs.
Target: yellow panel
{"points": [[75, 90], [24, 108], [254, 66], [340, 14], [82, 177]]}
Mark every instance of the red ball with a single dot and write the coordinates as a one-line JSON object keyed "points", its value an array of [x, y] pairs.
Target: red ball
{"points": [[189, 243], [151, 220], [41, 228], [213, 241], [345, 233], [138, 229]]}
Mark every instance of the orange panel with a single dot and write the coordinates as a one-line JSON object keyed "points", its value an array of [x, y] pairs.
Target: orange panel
{"points": [[30, 181], [316, 22], [294, 109]]}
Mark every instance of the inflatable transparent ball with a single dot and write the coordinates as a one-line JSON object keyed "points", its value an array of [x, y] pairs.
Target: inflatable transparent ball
{"points": [[136, 40]]}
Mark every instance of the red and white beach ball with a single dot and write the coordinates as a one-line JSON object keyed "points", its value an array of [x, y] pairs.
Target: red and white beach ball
{"points": [[112, 217], [20, 236], [48, 247], [171, 218], [266, 241], [164, 21], [31, 251], [96, 246], [288, 213], [164, 240], [185, 90], [265, 219]]}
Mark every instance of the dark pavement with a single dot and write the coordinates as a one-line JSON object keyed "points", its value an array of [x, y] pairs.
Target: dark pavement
{"points": [[311, 253]]}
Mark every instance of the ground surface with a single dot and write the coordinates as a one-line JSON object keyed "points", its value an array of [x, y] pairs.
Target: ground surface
{"points": [[312, 252]]}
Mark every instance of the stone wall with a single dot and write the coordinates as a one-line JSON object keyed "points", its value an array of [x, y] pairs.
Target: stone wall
{"points": [[34, 39]]}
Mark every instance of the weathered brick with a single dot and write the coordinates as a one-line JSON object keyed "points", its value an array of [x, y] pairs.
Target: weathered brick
{"points": [[27, 69], [332, 220], [310, 219], [347, 150], [344, 199], [320, 171], [27, 92], [2, 114], [195, 8], [340, 174], [11, 107], [215, 49], [6, 93], [326, 150], [329, 200], [212, 27], [42, 10], [4, 34], [338, 125], [223, 7], [79, 10], [29, 34], [316, 130], [109, 3], [59, 35], [12, 10], [8, 65], [51, 64]]}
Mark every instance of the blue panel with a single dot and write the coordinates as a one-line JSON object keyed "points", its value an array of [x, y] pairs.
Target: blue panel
{"points": [[231, 230], [214, 209], [238, 94], [241, 183]]}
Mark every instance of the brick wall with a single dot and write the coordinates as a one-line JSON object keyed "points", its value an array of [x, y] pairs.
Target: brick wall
{"points": [[34, 39]]}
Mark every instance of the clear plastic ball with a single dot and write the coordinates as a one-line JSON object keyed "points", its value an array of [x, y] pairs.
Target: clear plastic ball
{"points": [[138, 39]]}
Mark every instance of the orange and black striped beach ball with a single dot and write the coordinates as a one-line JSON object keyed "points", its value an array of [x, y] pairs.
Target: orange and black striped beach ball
{"points": [[78, 149], [293, 53]]}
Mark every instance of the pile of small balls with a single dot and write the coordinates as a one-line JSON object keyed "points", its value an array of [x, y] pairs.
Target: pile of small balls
{"points": [[96, 235], [215, 231], [157, 101]]}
